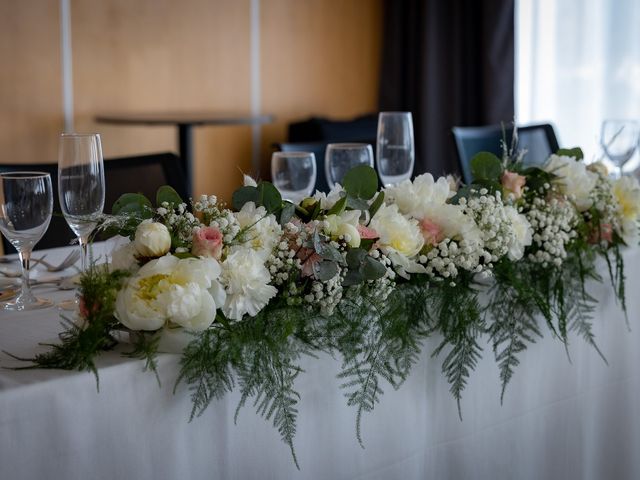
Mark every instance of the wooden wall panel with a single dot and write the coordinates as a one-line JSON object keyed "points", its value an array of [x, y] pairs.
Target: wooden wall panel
{"points": [[319, 57], [159, 55], [30, 84]]}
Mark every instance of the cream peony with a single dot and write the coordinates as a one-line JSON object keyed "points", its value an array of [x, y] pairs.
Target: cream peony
{"points": [[182, 291], [262, 231], [412, 198], [246, 280], [345, 225], [575, 181], [522, 233], [626, 191], [152, 239], [124, 258], [397, 233]]}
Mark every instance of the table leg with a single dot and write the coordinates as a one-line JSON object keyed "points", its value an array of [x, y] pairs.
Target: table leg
{"points": [[185, 145]]}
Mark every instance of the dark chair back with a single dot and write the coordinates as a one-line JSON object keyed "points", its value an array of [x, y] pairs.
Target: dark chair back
{"points": [[361, 129], [318, 149], [140, 174], [539, 140]]}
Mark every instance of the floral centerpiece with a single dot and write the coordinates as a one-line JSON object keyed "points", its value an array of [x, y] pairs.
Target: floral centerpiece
{"points": [[364, 275]]}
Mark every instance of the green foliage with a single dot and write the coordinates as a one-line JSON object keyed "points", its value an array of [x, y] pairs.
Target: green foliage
{"points": [[145, 347], [264, 195], [376, 204], [361, 182], [132, 204], [486, 166], [167, 194], [571, 152]]}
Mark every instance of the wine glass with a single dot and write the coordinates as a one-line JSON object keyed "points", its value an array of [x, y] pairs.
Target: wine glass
{"points": [[395, 153], [26, 205], [81, 184], [619, 139], [294, 174], [342, 157]]}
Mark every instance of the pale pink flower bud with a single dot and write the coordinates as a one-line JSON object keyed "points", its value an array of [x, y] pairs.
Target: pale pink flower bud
{"points": [[513, 182], [207, 242]]}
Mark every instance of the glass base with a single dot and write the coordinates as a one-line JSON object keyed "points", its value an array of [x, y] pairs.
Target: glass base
{"points": [[34, 303], [69, 305]]}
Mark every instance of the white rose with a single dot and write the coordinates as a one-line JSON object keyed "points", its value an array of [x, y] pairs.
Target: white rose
{"points": [[575, 181], [152, 239], [345, 225], [397, 233], [246, 280], [522, 233], [183, 291]]}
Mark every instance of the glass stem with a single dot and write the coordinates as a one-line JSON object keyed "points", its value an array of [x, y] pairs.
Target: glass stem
{"points": [[25, 261], [84, 245]]}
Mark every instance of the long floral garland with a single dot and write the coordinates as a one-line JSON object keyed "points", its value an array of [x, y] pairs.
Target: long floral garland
{"points": [[364, 275]]}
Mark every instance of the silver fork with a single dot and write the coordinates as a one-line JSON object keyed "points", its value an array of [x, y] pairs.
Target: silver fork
{"points": [[69, 261]]}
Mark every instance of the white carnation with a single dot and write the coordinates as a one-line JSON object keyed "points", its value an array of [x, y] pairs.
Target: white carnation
{"points": [[575, 181], [182, 291], [413, 198], [329, 200], [246, 280]]}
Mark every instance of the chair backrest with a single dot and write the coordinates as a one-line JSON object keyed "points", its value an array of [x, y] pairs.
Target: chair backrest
{"points": [[539, 141], [318, 149], [316, 129], [142, 174]]}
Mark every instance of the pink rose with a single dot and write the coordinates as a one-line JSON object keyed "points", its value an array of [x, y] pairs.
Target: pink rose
{"points": [[207, 242], [367, 233], [431, 232], [513, 182], [604, 233]]}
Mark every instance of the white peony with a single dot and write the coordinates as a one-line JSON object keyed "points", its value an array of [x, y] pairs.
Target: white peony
{"points": [[397, 233], [182, 291], [246, 280], [345, 225], [413, 198], [263, 231], [626, 191], [522, 233], [152, 239], [124, 258], [575, 181]]}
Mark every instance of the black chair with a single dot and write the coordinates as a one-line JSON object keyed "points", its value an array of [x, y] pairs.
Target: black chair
{"points": [[361, 129], [318, 149], [140, 174], [539, 140]]}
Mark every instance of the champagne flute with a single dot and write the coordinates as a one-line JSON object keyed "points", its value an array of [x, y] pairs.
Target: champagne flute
{"points": [[294, 174], [395, 152], [619, 139], [342, 157], [81, 184], [26, 205]]}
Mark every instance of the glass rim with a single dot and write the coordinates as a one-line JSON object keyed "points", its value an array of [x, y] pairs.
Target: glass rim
{"points": [[22, 174], [350, 145], [293, 154], [78, 135], [394, 112]]}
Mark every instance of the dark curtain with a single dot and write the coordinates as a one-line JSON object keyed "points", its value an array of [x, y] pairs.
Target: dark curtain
{"points": [[450, 63]]}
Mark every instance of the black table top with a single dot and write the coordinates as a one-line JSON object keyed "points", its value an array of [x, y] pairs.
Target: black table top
{"points": [[183, 118]]}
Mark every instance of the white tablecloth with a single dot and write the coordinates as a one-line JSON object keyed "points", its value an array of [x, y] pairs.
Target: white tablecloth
{"points": [[558, 421]]}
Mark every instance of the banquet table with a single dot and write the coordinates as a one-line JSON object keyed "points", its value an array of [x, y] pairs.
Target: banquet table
{"points": [[559, 420]]}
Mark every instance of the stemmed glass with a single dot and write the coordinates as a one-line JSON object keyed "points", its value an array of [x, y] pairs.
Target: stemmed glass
{"points": [[395, 153], [294, 174], [26, 205], [81, 184], [342, 157], [619, 139]]}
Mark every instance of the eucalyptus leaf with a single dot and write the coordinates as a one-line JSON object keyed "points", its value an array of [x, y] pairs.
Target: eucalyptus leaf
{"points": [[339, 207], [269, 197], [287, 213], [361, 182], [244, 195], [357, 204], [372, 269], [355, 256], [167, 194], [325, 270], [132, 203], [486, 166], [329, 252], [377, 203], [352, 277]]}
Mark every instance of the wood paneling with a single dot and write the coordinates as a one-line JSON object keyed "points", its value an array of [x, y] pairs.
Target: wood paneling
{"points": [[319, 57], [30, 84], [159, 55]]}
